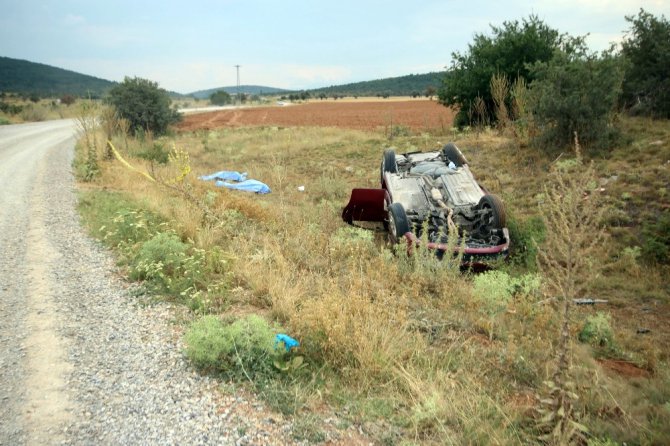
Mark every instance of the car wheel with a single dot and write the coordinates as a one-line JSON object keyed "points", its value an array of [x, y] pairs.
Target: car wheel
{"points": [[498, 218], [388, 164], [452, 153], [398, 222]]}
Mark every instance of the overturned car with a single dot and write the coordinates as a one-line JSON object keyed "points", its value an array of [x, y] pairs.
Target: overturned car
{"points": [[434, 195]]}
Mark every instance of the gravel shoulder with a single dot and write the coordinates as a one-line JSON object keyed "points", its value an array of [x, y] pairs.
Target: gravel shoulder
{"points": [[81, 360]]}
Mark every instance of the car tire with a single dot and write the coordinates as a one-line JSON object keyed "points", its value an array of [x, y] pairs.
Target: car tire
{"points": [[388, 164], [398, 222], [499, 216], [452, 153]]}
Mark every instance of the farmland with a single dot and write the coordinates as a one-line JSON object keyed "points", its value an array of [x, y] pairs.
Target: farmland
{"points": [[360, 115]]}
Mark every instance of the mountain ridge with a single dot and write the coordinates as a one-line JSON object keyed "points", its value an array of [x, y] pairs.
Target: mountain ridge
{"points": [[26, 77], [23, 76]]}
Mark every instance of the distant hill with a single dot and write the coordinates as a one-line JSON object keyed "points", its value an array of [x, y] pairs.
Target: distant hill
{"points": [[393, 86], [22, 76], [245, 89]]}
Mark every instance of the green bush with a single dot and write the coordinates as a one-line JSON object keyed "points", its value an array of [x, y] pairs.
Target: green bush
{"points": [[156, 152], [159, 258], [646, 47], [526, 235], [576, 94], [144, 105], [656, 240], [243, 349], [220, 98], [11, 109], [127, 226], [508, 51], [597, 331]]}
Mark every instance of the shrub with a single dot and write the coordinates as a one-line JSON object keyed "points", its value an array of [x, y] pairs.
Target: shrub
{"points": [[144, 105], [576, 95], [495, 289], [67, 99], [526, 236], [656, 240], [242, 349], [34, 113], [646, 88], [597, 331], [12, 109], [220, 98], [159, 257], [155, 153], [507, 52]]}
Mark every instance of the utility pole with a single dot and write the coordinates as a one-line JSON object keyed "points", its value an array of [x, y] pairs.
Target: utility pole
{"points": [[238, 84]]}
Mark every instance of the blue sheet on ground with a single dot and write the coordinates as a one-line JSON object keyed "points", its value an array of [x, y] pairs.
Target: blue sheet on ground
{"points": [[225, 175], [242, 183], [248, 185]]}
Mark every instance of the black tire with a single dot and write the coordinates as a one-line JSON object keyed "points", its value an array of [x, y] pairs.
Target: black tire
{"points": [[388, 164], [498, 218], [398, 222], [452, 153]]}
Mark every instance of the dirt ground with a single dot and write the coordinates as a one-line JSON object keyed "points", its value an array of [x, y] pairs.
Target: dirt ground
{"points": [[417, 115]]}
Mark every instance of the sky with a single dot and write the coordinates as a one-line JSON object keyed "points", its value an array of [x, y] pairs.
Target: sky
{"points": [[190, 45]]}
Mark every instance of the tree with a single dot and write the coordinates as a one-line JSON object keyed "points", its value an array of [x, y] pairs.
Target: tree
{"points": [[220, 98], [67, 99], [509, 51], [430, 92], [646, 47], [143, 104], [576, 94]]}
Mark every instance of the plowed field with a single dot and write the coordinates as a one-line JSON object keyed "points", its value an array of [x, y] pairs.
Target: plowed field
{"points": [[415, 115]]}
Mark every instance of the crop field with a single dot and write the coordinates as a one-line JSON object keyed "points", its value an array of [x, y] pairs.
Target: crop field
{"points": [[416, 115]]}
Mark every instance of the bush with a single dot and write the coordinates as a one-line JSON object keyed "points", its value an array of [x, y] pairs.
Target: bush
{"points": [[34, 113], [646, 88], [597, 331], [243, 349], [11, 109], [495, 289], [507, 52], [656, 240], [526, 236], [159, 258], [67, 99], [144, 105], [155, 153], [576, 94], [220, 98]]}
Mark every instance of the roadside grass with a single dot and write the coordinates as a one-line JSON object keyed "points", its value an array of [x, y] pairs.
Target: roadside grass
{"points": [[16, 110], [413, 350]]}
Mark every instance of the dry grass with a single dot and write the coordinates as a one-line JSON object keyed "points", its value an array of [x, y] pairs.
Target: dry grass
{"points": [[396, 331]]}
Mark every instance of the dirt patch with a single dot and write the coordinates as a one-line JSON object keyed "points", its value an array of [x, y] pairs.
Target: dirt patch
{"points": [[417, 116], [624, 368]]}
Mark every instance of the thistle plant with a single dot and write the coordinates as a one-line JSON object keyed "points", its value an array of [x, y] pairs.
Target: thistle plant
{"points": [[572, 214]]}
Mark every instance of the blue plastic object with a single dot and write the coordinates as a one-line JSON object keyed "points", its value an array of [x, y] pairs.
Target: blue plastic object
{"points": [[288, 341], [248, 185], [225, 175]]}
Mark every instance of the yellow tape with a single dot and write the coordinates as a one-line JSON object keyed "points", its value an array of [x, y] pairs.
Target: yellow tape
{"points": [[127, 164]]}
